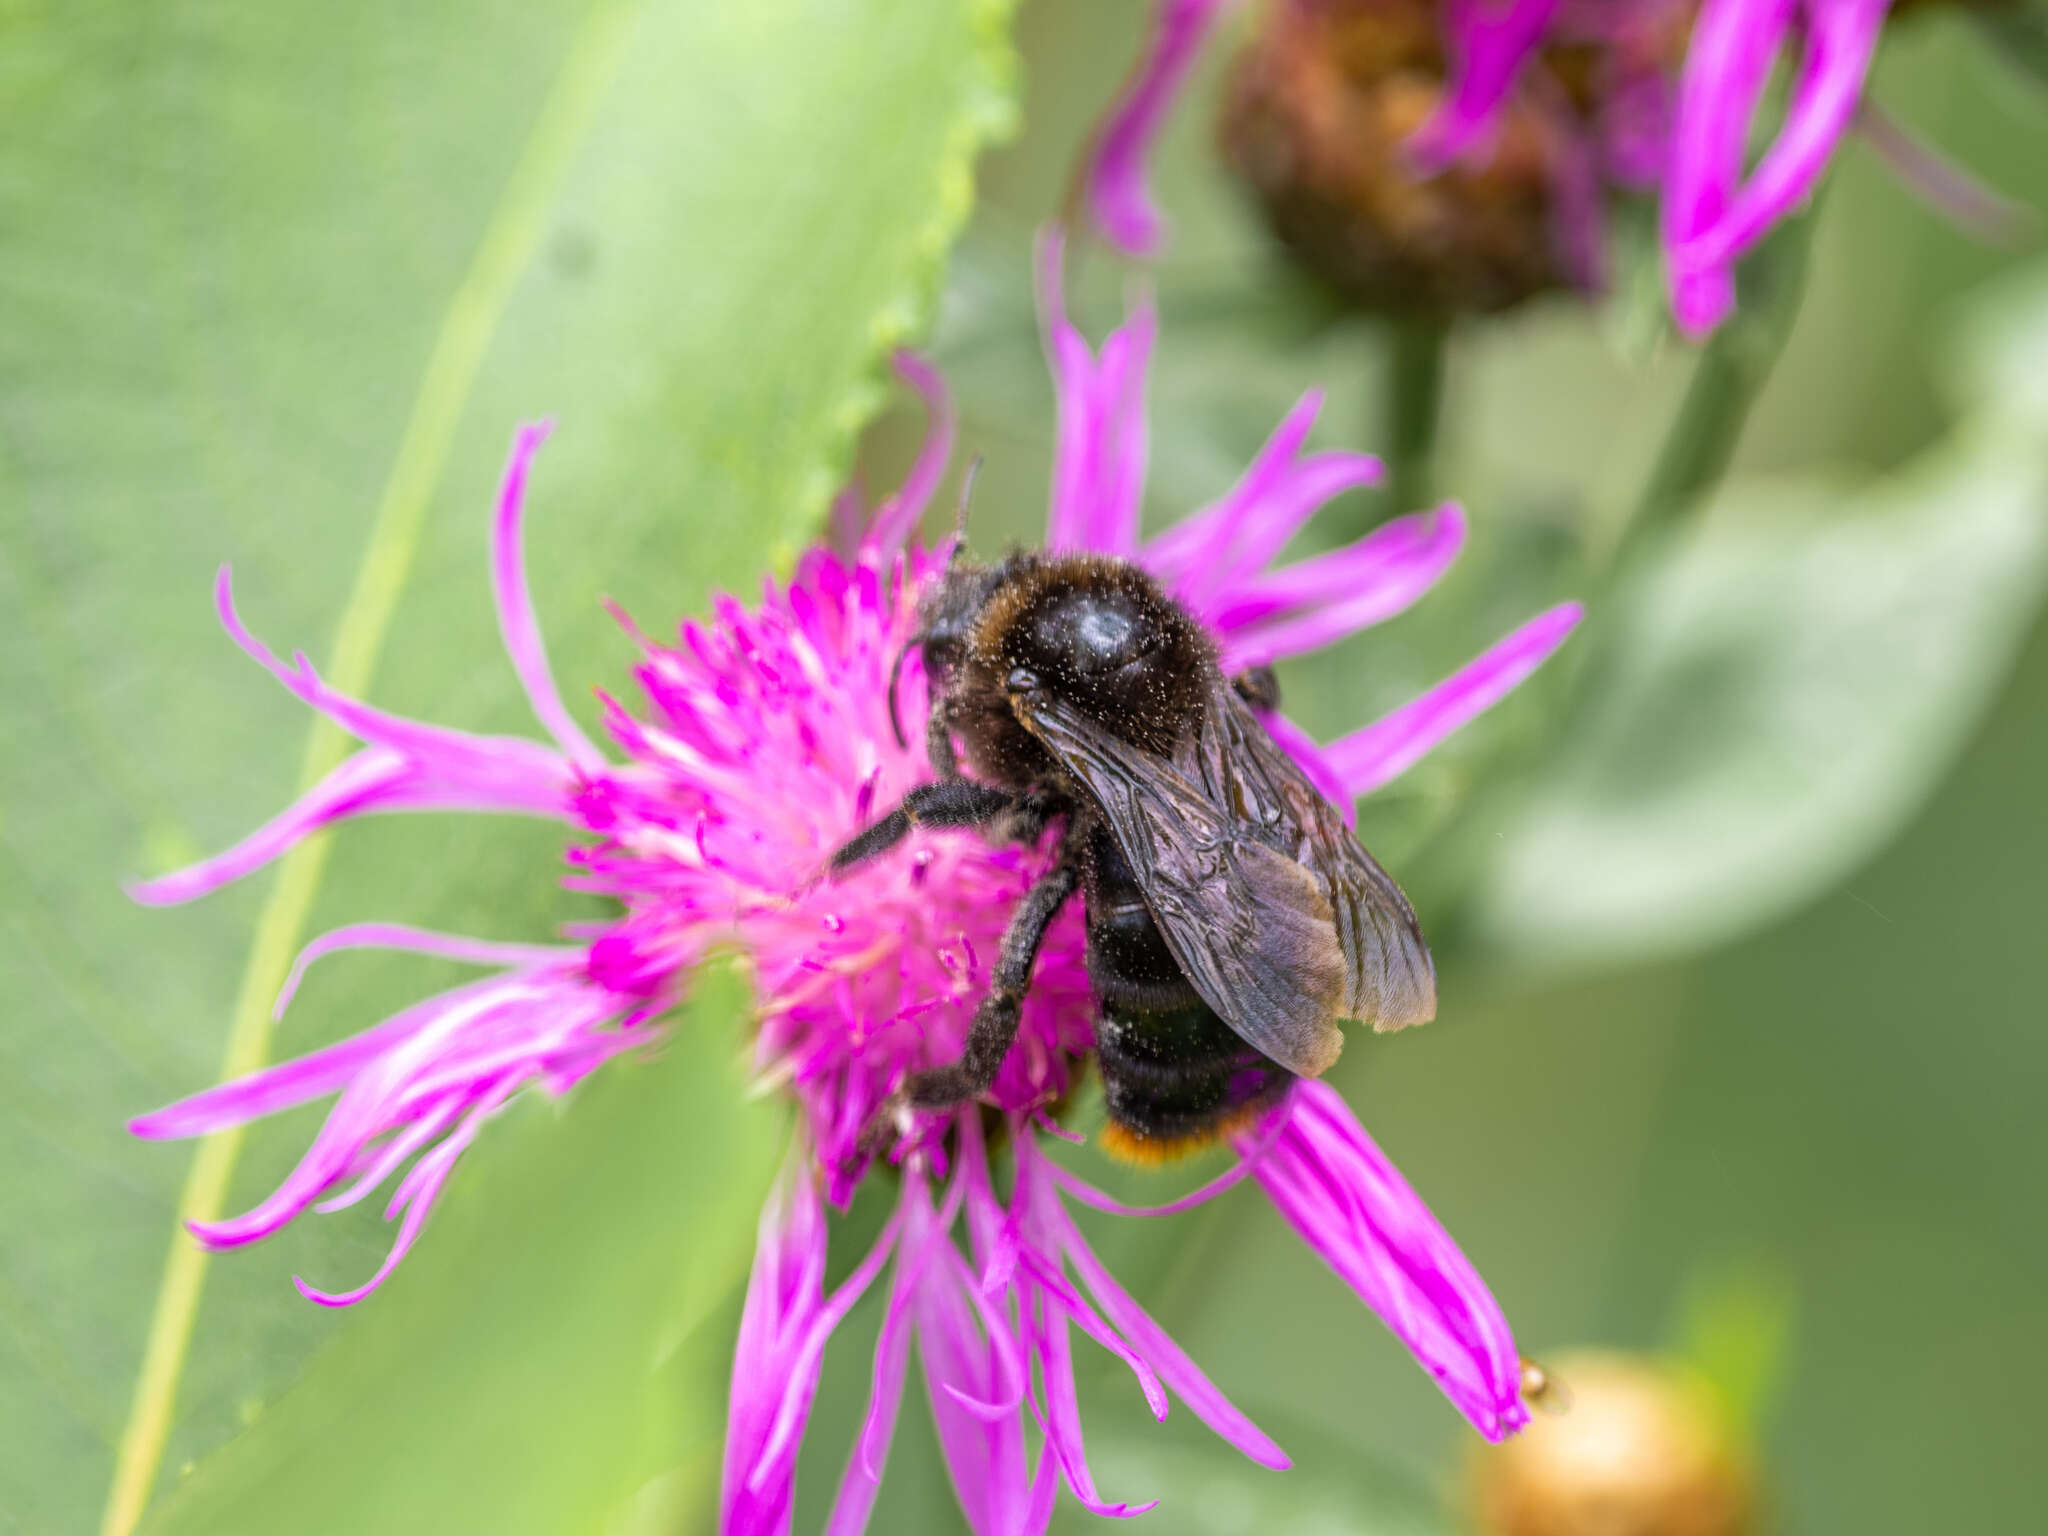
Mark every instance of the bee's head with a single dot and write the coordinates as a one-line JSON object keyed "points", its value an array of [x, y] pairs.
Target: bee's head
{"points": [[948, 613], [1099, 634]]}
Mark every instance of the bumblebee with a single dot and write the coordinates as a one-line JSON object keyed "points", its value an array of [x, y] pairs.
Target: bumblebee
{"points": [[1232, 919]]}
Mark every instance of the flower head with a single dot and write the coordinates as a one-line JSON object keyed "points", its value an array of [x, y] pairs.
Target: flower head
{"points": [[1334, 112], [759, 740], [1550, 104]]}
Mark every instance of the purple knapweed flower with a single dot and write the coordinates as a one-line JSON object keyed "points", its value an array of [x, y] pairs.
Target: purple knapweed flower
{"points": [[1674, 91], [760, 741]]}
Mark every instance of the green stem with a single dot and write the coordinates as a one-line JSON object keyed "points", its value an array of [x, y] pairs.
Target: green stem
{"points": [[1732, 370], [1414, 408], [1731, 373]]}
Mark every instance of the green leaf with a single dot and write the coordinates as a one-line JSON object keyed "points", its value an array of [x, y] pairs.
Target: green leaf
{"points": [[280, 279], [1778, 687], [1735, 1330], [1205, 1489], [544, 1363]]}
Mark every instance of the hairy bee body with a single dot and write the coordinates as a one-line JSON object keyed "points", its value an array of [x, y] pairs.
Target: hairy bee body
{"points": [[1231, 918], [1096, 631]]}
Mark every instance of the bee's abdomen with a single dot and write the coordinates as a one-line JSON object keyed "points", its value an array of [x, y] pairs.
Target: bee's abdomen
{"points": [[1178, 1078], [1128, 960], [1175, 1074]]}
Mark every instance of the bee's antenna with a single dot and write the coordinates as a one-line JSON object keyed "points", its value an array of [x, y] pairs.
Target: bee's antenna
{"points": [[952, 559], [960, 512], [895, 673]]}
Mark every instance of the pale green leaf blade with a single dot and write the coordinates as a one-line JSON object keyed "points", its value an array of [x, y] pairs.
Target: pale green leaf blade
{"points": [[279, 282], [1205, 1489], [1781, 685], [549, 1358]]}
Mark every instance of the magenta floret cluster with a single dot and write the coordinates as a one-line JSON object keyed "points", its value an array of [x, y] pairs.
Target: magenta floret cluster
{"points": [[757, 741]]}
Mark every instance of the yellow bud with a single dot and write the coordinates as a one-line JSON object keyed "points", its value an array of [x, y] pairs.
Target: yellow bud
{"points": [[1629, 1446]]}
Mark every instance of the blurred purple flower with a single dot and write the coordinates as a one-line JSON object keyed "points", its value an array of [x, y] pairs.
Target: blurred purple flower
{"points": [[761, 741], [1672, 111]]}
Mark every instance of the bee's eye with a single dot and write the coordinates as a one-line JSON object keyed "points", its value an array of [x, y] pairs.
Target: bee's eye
{"points": [[1021, 680]]}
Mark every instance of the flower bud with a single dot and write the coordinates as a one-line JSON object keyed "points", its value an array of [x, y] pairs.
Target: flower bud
{"points": [[1321, 119], [1630, 1447], [1317, 117]]}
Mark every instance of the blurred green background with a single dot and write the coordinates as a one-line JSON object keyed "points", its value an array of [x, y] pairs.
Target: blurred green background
{"points": [[278, 281]]}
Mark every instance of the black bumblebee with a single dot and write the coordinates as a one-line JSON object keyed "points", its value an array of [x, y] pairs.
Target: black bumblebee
{"points": [[1232, 917]]}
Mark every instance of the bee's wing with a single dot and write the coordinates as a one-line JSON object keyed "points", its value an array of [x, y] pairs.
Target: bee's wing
{"points": [[1389, 980], [1272, 923]]}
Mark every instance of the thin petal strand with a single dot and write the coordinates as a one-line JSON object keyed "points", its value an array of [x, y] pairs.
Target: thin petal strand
{"points": [[1392, 745], [1840, 38], [1351, 1205], [1098, 474], [405, 766], [1489, 41], [785, 1295], [897, 518], [516, 623], [418, 941], [1727, 66], [1119, 199], [1316, 602]]}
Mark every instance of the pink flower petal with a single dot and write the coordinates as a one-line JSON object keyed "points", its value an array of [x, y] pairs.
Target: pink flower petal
{"points": [[1489, 42], [374, 779], [1119, 200], [1392, 745], [1209, 535], [1351, 1205], [1205, 558], [985, 1459], [785, 1294], [1312, 761], [1840, 37], [783, 1331], [862, 1479], [1727, 66], [406, 767], [1098, 474], [312, 1076], [1154, 1345], [1062, 1418], [429, 1176], [386, 1160], [521, 631], [897, 517], [1316, 602], [419, 941], [1040, 1270], [453, 755], [1253, 1150]]}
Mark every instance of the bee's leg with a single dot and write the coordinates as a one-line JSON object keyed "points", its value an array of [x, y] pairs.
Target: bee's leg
{"points": [[938, 742], [1031, 815], [949, 803], [995, 1021], [1258, 687]]}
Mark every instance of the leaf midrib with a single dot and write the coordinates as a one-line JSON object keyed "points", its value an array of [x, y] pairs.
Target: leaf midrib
{"points": [[466, 328]]}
